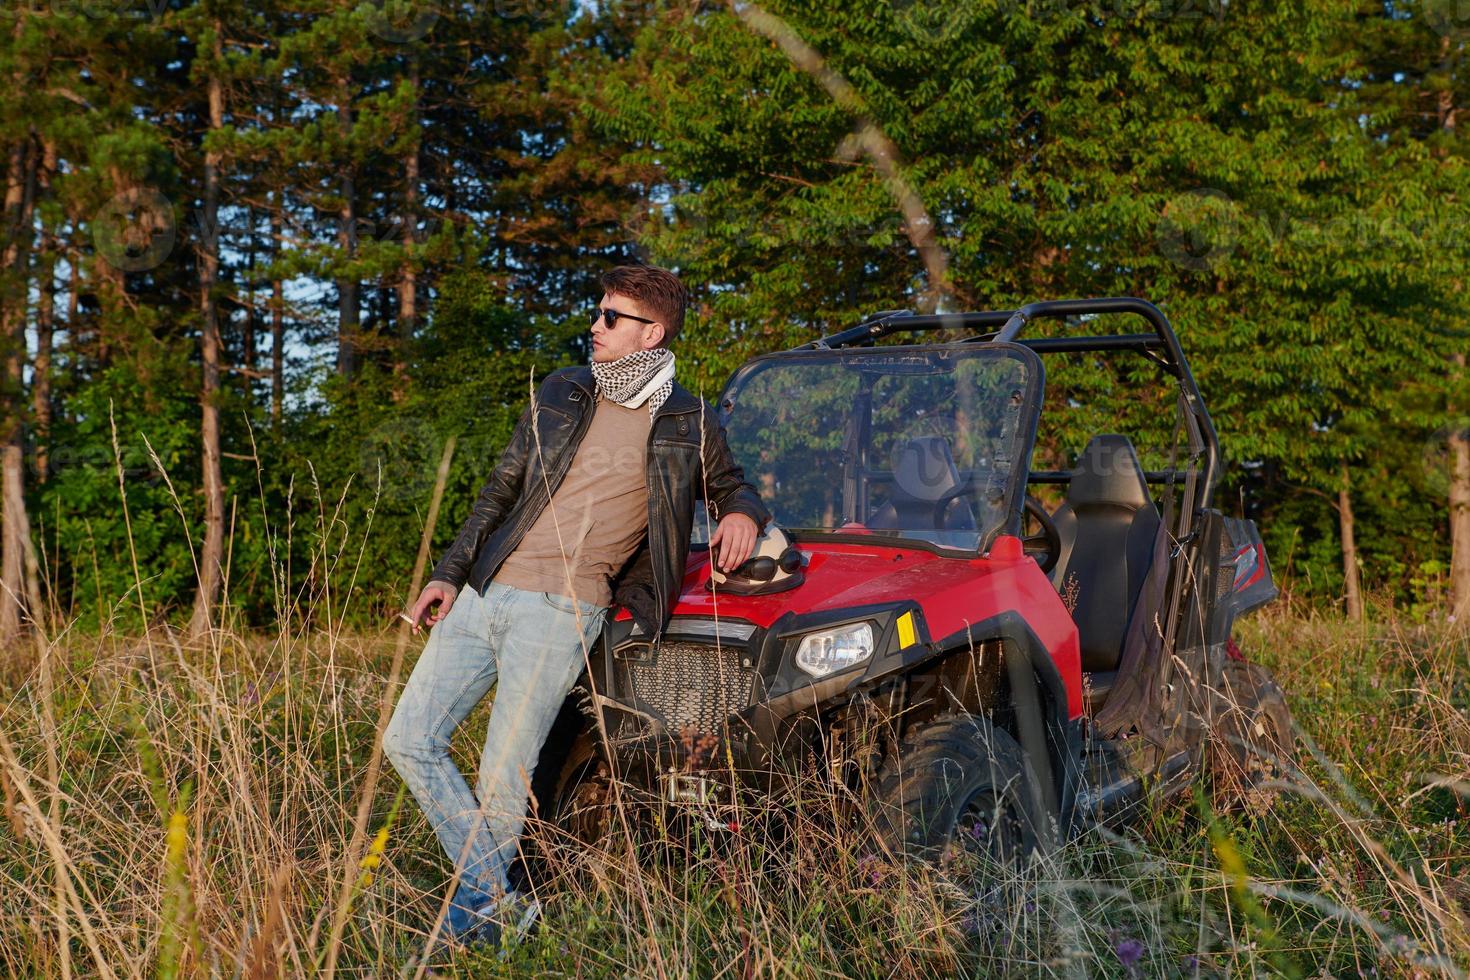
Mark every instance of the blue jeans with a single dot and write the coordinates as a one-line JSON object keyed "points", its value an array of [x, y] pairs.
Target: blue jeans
{"points": [[533, 643]]}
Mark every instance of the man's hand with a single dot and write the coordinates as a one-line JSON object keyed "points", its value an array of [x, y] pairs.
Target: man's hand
{"points": [[733, 541], [440, 592]]}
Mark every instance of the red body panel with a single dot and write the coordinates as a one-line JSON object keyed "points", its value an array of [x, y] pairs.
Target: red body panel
{"points": [[953, 593]]}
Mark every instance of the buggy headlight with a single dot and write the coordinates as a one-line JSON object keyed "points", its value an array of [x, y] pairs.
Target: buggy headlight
{"points": [[823, 653]]}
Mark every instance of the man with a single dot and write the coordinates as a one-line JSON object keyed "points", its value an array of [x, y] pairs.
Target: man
{"points": [[590, 507]]}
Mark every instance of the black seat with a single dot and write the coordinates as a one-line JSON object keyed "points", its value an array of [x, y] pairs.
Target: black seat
{"points": [[924, 475], [1107, 526]]}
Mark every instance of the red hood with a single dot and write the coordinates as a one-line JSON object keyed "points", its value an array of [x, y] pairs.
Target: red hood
{"points": [[838, 576], [954, 593]]}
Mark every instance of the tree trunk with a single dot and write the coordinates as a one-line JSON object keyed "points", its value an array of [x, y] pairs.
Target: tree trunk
{"points": [[212, 552], [14, 522], [23, 263], [407, 277], [278, 323], [45, 328], [1352, 583], [1460, 507], [1459, 440], [349, 306], [248, 337]]}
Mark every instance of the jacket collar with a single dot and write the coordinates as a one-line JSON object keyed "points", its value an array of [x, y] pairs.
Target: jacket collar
{"points": [[679, 401], [581, 376]]}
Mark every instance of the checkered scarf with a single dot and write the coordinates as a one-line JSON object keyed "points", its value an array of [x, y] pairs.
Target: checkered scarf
{"points": [[645, 375]]}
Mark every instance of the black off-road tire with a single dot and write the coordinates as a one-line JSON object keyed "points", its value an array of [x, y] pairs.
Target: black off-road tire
{"points": [[1254, 742], [958, 784], [585, 809], [572, 809]]}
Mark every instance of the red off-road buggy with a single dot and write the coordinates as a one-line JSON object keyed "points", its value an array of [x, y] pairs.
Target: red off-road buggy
{"points": [[974, 663]]}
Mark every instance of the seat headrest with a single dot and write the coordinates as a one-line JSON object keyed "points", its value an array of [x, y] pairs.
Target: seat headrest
{"points": [[1108, 473], [925, 469]]}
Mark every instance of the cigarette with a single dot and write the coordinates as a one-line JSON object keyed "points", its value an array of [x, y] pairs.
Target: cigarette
{"points": [[408, 619]]}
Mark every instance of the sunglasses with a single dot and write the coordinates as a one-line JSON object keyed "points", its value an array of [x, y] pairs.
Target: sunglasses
{"points": [[613, 316], [763, 569]]}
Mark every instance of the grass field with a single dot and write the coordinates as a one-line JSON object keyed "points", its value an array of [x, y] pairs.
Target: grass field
{"points": [[185, 811]]}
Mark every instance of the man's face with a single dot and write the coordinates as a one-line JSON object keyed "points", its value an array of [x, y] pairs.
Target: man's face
{"points": [[628, 335]]}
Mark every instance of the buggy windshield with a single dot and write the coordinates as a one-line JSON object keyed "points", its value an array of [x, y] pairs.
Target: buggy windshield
{"points": [[924, 443]]}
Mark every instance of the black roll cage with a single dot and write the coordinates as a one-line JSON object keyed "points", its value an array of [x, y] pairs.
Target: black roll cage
{"points": [[1200, 473]]}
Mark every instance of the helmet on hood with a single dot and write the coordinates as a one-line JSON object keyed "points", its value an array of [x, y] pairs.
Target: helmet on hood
{"points": [[774, 566]]}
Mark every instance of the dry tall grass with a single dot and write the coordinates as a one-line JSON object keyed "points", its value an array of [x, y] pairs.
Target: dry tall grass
{"points": [[185, 810], [193, 809]]}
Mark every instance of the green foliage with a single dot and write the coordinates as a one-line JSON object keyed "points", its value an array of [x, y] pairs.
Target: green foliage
{"points": [[1285, 180], [79, 518], [1239, 166]]}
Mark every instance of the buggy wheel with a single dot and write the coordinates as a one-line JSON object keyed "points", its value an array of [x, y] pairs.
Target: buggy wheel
{"points": [[1253, 739], [573, 808], [958, 787], [584, 808]]}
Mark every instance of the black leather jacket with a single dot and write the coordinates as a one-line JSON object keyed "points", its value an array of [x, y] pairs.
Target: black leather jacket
{"points": [[537, 459]]}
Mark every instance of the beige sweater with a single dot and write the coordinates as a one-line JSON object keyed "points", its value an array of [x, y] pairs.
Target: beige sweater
{"points": [[597, 517]]}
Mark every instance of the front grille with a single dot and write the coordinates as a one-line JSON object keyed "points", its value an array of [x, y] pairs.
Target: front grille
{"points": [[690, 685]]}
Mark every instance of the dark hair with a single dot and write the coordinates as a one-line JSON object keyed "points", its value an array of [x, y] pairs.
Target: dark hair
{"points": [[659, 290]]}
